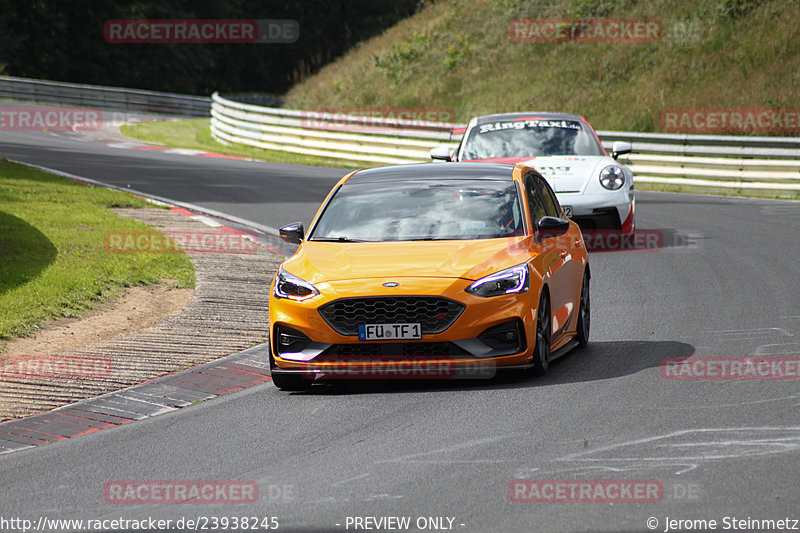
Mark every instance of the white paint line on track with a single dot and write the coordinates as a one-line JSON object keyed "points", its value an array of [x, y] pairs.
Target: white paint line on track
{"points": [[125, 145], [184, 151], [207, 221]]}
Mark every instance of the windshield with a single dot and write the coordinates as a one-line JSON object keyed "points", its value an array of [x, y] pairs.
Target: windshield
{"points": [[530, 138], [421, 210]]}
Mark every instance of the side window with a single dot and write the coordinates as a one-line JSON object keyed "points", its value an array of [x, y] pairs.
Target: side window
{"points": [[551, 206], [534, 199]]}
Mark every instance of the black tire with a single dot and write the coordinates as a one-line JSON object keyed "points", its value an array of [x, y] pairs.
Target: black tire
{"points": [[584, 313], [291, 383], [541, 352]]}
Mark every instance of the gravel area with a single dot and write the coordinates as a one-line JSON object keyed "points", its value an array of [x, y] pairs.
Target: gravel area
{"points": [[228, 313]]}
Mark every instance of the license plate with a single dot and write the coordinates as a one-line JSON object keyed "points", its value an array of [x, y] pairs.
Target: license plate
{"points": [[382, 332], [567, 210]]}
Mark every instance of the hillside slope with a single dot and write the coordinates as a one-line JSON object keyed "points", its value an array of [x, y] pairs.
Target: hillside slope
{"points": [[713, 54]]}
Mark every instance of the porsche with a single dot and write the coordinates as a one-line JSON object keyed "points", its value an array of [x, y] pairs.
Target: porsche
{"points": [[595, 189]]}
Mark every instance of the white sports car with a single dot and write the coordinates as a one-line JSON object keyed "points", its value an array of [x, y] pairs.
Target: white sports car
{"points": [[594, 189]]}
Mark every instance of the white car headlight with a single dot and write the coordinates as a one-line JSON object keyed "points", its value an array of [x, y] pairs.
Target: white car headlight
{"points": [[612, 177], [508, 281], [292, 287]]}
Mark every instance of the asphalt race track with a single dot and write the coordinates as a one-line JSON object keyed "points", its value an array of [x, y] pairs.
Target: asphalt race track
{"points": [[724, 284], [273, 195]]}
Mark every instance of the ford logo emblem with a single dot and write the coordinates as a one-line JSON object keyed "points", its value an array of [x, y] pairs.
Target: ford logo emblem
{"points": [[391, 284]]}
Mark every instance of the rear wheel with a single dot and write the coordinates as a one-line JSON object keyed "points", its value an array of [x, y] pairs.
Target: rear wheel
{"points": [[541, 354], [584, 313]]}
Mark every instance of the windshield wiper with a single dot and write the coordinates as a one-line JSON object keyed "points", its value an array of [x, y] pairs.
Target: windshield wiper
{"points": [[337, 239]]}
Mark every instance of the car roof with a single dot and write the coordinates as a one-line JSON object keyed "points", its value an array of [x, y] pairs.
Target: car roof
{"points": [[486, 119], [454, 171]]}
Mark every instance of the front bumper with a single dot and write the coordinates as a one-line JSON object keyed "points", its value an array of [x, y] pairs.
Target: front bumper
{"points": [[463, 346], [616, 207]]}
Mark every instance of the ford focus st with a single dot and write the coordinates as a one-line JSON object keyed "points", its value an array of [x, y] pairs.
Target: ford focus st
{"points": [[594, 188], [429, 271]]}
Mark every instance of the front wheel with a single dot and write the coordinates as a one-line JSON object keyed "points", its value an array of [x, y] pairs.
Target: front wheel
{"points": [[584, 313], [541, 354]]}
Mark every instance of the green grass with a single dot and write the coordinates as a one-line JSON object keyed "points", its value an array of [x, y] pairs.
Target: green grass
{"points": [[53, 261], [196, 134], [714, 54]]}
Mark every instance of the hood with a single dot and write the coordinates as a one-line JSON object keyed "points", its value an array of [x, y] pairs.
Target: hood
{"points": [[569, 173], [318, 262]]}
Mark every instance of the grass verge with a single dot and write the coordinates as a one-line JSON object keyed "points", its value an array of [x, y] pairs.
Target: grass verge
{"points": [[712, 54], [53, 260], [196, 134], [719, 191]]}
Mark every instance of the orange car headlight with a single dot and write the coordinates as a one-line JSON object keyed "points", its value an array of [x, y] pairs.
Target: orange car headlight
{"points": [[512, 280], [292, 287]]}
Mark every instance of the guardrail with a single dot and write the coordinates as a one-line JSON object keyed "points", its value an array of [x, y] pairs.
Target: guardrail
{"points": [[343, 137], [705, 160], [101, 97]]}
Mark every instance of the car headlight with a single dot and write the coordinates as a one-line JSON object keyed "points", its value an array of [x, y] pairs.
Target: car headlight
{"points": [[508, 281], [612, 177], [292, 287]]}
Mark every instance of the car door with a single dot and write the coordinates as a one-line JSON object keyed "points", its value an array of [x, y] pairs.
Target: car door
{"points": [[573, 254], [555, 258]]}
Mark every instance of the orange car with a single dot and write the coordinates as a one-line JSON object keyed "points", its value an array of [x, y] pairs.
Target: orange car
{"points": [[429, 271]]}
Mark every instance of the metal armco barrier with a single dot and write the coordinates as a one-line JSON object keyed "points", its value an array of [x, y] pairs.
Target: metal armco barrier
{"points": [[349, 138], [110, 98], [710, 160], [705, 160]]}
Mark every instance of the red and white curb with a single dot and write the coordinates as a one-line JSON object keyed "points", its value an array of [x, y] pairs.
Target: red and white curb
{"points": [[165, 149], [275, 246], [162, 395], [78, 133]]}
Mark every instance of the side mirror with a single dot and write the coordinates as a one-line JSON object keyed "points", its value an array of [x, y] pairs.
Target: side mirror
{"points": [[442, 153], [620, 147], [551, 226], [293, 233]]}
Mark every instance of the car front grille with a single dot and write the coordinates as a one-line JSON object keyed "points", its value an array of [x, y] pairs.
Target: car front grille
{"points": [[433, 313]]}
